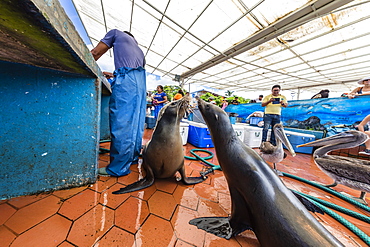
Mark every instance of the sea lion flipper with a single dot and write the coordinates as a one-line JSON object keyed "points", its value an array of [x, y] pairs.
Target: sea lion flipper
{"points": [[218, 226], [138, 185], [190, 180], [143, 183]]}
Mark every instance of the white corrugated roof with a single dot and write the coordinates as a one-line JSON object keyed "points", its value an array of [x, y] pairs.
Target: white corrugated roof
{"points": [[243, 45]]}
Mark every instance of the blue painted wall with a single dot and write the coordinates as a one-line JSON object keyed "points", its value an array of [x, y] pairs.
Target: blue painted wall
{"points": [[104, 120], [49, 129], [329, 111]]}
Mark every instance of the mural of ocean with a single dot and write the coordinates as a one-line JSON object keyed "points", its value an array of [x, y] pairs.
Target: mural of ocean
{"points": [[317, 114]]}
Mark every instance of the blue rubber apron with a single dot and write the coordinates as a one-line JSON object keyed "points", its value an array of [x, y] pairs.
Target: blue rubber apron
{"points": [[126, 118]]}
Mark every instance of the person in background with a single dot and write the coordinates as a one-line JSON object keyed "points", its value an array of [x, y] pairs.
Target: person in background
{"points": [[212, 100], [322, 94], [361, 127], [158, 100], [127, 103], [224, 104], [273, 103], [235, 101], [259, 99], [179, 95], [364, 90]]}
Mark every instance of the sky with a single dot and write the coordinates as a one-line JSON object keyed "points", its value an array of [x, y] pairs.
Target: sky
{"points": [[106, 64]]}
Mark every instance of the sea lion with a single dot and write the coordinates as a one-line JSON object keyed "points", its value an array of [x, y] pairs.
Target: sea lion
{"points": [[260, 200], [163, 154]]}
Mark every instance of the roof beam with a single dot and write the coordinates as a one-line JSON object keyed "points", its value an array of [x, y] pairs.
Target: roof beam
{"points": [[295, 19]]}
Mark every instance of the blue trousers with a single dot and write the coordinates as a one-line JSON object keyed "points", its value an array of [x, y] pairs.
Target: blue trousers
{"points": [[270, 120], [157, 109], [127, 107]]}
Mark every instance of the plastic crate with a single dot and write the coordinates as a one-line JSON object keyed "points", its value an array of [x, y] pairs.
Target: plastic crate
{"points": [[255, 120]]}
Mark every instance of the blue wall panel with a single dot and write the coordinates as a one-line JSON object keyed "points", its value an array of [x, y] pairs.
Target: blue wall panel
{"points": [[317, 113], [104, 121], [49, 129]]}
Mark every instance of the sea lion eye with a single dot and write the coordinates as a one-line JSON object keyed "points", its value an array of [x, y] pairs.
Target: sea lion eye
{"points": [[173, 103]]}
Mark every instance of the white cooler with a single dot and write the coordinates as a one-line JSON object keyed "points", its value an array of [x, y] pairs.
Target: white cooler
{"points": [[184, 132], [252, 135], [239, 131]]}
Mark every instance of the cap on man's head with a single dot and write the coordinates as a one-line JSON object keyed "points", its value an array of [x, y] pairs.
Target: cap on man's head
{"points": [[260, 95], [362, 80]]}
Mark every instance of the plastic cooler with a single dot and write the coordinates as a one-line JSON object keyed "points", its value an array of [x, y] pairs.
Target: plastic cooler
{"points": [[239, 131], [319, 134], [199, 135], [184, 132], [150, 122], [252, 135], [296, 138]]}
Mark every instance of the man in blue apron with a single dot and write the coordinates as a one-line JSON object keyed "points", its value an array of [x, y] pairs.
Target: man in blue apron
{"points": [[127, 103]]}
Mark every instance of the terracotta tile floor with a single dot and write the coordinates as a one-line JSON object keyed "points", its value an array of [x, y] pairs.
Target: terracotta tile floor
{"points": [[156, 216]]}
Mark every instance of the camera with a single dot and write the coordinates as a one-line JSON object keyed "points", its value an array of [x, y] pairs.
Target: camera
{"points": [[276, 100]]}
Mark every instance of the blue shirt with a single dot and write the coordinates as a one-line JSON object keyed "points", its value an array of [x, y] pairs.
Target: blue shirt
{"points": [[160, 97], [125, 49]]}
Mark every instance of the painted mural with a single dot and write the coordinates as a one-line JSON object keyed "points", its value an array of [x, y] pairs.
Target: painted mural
{"points": [[315, 114]]}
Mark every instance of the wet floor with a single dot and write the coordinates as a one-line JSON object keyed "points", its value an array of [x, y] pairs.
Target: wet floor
{"points": [[156, 216]]}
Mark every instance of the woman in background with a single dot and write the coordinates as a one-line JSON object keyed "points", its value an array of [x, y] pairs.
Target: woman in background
{"points": [[158, 100], [365, 89]]}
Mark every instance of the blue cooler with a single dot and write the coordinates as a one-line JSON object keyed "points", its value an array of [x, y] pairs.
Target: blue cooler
{"points": [[150, 122], [319, 134], [199, 135], [296, 138]]}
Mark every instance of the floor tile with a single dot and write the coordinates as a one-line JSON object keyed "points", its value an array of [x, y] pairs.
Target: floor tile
{"points": [[22, 201], [101, 185], [50, 232], [156, 232], [77, 205], [6, 212], [6, 236], [186, 197], [33, 214], [206, 191], [167, 185], [162, 204], [67, 193], [90, 227], [112, 200], [183, 230], [116, 237], [131, 214], [214, 241], [208, 208]]}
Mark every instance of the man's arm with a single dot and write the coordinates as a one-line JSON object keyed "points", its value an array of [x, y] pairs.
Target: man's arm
{"points": [[265, 103], [99, 50]]}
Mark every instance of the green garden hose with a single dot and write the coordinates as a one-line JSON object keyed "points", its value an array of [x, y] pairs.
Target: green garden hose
{"points": [[333, 192], [338, 208], [342, 220]]}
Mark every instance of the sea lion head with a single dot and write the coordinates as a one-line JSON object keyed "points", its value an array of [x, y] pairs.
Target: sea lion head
{"points": [[212, 114], [175, 109]]}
